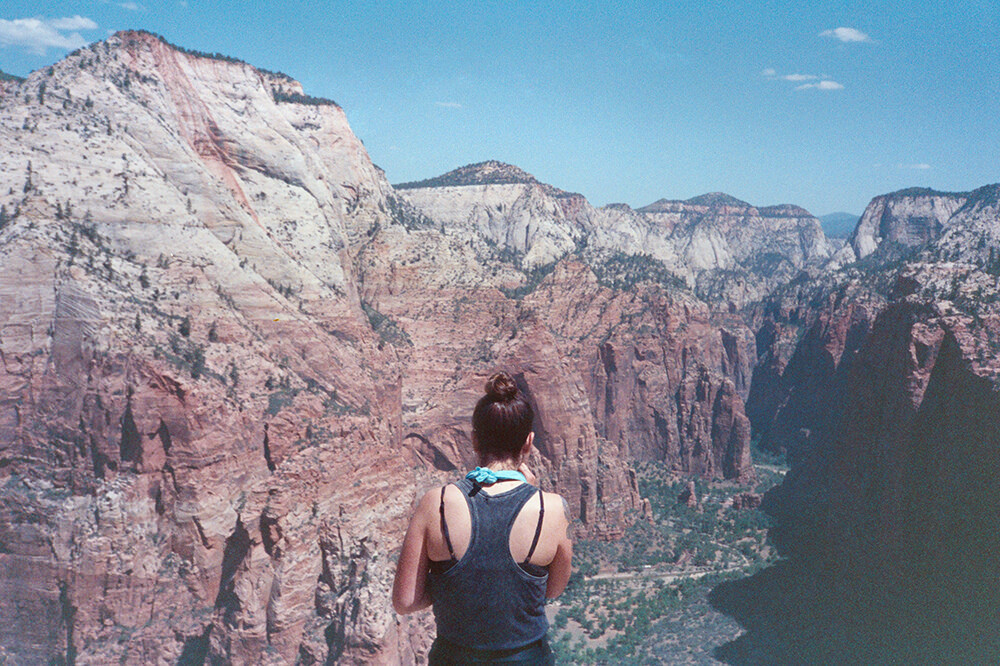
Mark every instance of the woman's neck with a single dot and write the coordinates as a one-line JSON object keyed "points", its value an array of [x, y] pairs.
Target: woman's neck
{"points": [[498, 465]]}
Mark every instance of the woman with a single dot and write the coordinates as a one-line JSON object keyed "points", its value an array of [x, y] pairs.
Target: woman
{"points": [[487, 551]]}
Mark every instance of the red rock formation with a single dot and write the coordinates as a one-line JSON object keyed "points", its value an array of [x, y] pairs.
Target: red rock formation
{"points": [[604, 391], [688, 496], [229, 367]]}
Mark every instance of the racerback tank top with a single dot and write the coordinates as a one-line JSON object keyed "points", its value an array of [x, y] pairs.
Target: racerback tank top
{"points": [[486, 600]]}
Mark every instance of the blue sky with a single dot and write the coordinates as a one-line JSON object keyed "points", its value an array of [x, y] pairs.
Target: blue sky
{"points": [[822, 104]]}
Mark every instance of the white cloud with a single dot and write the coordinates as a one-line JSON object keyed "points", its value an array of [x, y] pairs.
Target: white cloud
{"points": [[920, 167], [449, 105], [38, 34], [799, 77], [821, 85], [825, 83], [131, 6], [72, 23], [846, 35]]}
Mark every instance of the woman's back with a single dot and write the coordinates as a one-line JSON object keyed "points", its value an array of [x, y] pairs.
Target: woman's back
{"points": [[487, 553], [459, 526], [504, 595]]}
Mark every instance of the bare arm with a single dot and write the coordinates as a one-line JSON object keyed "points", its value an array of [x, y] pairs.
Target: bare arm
{"points": [[562, 564], [409, 590]]}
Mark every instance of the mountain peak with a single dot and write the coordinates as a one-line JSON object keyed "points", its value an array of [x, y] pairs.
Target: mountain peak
{"points": [[490, 172], [710, 200], [131, 37], [925, 192], [283, 87], [713, 199]]}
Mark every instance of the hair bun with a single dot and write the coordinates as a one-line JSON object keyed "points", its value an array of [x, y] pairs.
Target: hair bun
{"points": [[501, 387]]}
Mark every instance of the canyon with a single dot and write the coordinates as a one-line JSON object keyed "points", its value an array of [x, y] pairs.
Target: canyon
{"points": [[234, 355], [887, 407]]}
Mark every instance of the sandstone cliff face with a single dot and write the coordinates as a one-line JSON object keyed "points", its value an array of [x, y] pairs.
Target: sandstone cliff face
{"points": [[807, 341], [726, 249], [904, 219], [806, 328], [232, 355], [196, 415], [717, 231], [604, 368], [521, 217]]}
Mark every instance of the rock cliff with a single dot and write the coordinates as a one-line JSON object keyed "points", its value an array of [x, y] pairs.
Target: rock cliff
{"points": [[233, 355], [198, 424], [805, 328], [889, 402], [893, 223], [723, 248]]}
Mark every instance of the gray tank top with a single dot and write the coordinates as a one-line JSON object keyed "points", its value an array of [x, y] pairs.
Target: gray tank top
{"points": [[486, 600]]}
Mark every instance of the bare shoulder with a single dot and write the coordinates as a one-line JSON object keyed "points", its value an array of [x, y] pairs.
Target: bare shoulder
{"points": [[428, 503], [560, 507]]}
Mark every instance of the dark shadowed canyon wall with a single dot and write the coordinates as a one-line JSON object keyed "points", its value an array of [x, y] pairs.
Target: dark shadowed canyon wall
{"points": [[887, 517]]}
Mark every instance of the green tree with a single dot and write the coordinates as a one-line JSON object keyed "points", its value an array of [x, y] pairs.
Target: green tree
{"points": [[197, 362]]}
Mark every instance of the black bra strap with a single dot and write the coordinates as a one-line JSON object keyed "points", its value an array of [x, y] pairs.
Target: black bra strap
{"points": [[538, 529], [444, 528]]}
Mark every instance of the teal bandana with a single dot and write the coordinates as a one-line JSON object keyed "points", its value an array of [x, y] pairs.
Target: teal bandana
{"points": [[483, 475]]}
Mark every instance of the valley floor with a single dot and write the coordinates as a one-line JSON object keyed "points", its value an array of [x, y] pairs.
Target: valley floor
{"points": [[644, 599]]}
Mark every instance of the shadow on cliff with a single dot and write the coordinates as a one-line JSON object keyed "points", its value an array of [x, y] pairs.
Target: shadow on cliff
{"points": [[794, 614], [888, 528]]}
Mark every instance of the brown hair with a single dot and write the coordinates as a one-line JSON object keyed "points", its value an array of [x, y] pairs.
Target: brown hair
{"points": [[502, 419]]}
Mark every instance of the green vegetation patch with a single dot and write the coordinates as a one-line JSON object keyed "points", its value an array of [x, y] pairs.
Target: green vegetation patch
{"points": [[293, 97], [623, 272], [388, 330], [643, 599], [533, 278], [281, 399]]}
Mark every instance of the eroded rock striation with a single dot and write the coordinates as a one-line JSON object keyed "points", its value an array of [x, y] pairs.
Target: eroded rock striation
{"points": [[197, 420], [233, 354]]}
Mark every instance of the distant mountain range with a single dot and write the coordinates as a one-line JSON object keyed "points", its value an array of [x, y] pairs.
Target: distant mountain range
{"points": [[838, 225]]}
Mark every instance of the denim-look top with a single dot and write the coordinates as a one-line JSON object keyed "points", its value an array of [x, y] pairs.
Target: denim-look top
{"points": [[486, 600]]}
